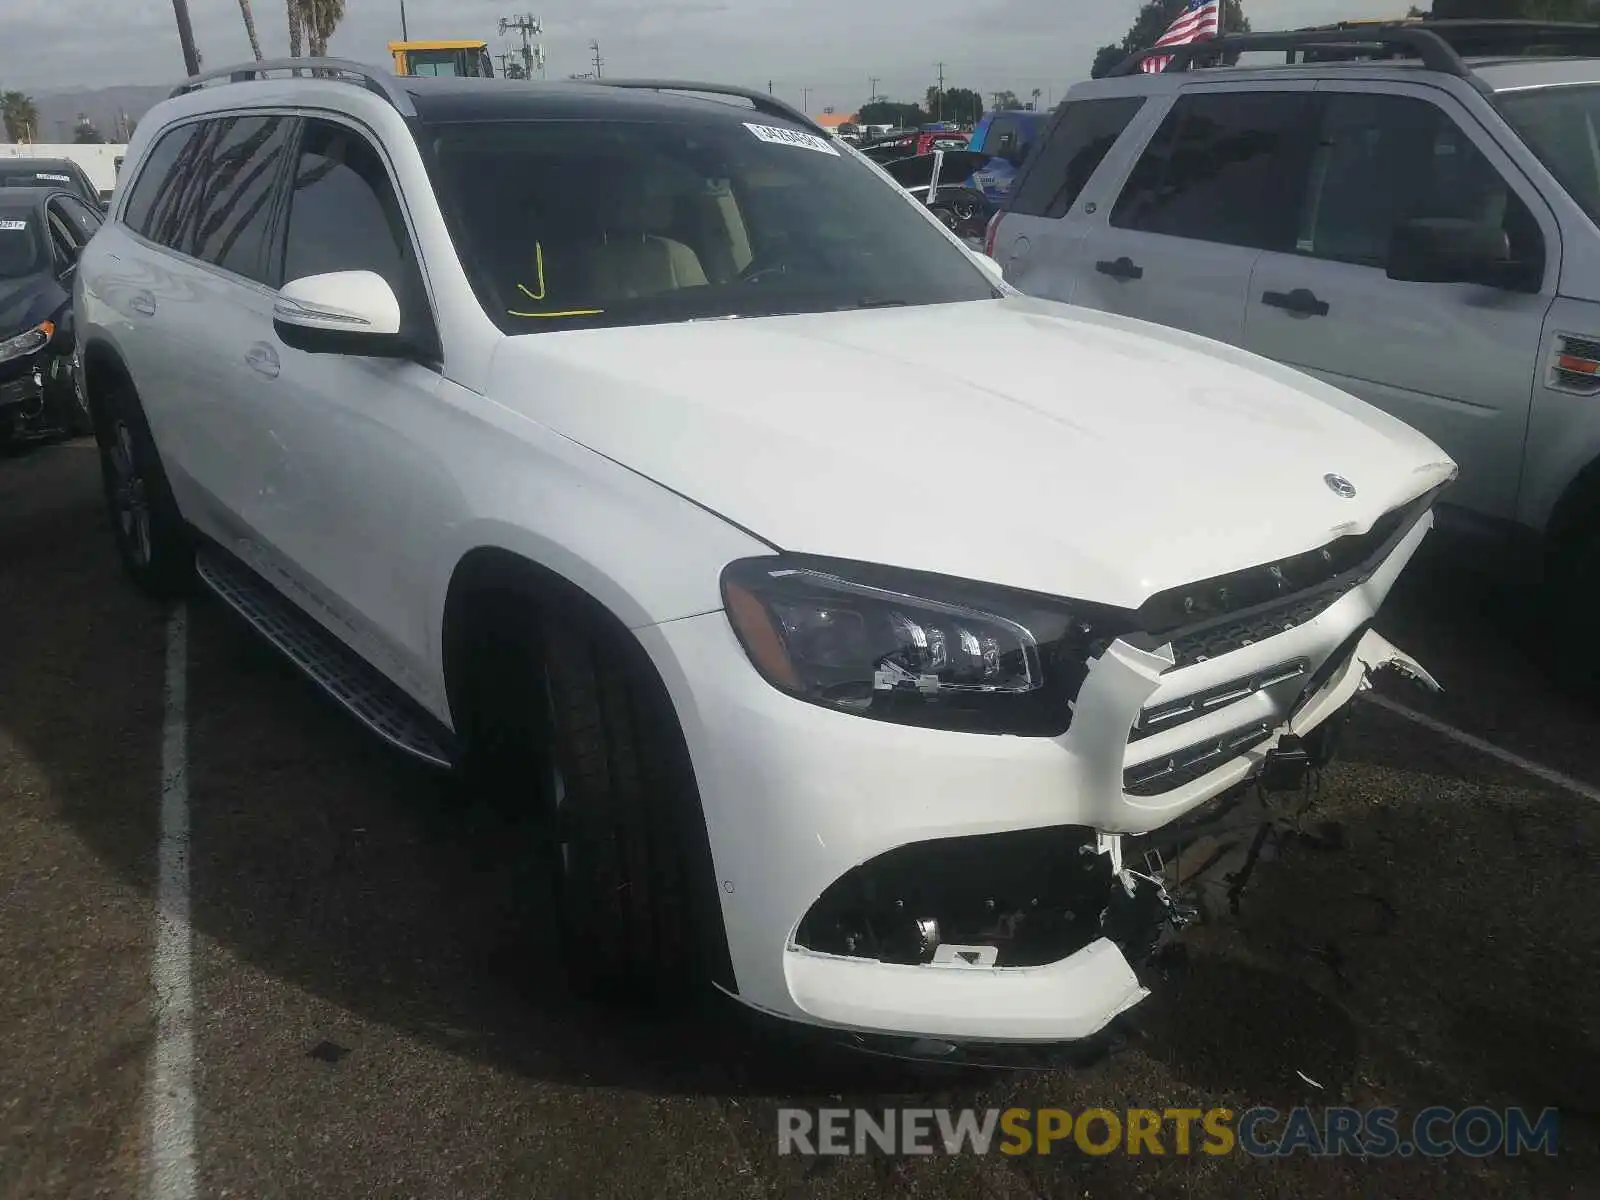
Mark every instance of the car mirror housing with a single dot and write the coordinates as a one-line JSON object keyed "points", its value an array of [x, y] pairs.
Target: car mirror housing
{"points": [[342, 312]]}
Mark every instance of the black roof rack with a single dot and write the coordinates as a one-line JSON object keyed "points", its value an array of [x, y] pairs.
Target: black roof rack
{"points": [[1441, 46], [760, 101], [365, 76]]}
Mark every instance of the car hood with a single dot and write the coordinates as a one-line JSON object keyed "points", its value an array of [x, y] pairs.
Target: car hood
{"points": [[27, 301], [1016, 441]]}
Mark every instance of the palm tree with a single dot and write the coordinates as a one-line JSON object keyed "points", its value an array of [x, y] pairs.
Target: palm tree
{"points": [[319, 18], [250, 28], [20, 115], [296, 27]]}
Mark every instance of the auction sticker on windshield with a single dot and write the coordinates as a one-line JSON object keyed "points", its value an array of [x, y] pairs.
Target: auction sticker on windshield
{"points": [[13, 225], [54, 178], [791, 137]]}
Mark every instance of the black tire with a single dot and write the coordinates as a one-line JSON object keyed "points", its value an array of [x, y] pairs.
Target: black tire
{"points": [[78, 419], [621, 825], [1571, 586], [564, 718], [150, 534]]}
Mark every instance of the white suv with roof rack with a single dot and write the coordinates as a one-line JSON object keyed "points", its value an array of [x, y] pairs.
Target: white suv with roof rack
{"points": [[550, 428], [1405, 210]]}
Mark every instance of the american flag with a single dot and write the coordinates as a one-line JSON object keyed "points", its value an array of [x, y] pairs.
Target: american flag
{"points": [[1200, 19]]}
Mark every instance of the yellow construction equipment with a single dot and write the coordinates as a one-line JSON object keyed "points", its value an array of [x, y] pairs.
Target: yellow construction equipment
{"points": [[443, 56]]}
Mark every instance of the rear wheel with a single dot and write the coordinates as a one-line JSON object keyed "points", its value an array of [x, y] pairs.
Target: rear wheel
{"points": [[151, 537]]}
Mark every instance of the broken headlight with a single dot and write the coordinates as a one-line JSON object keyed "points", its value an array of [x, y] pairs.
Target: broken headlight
{"points": [[916, 649], [29, 342]]}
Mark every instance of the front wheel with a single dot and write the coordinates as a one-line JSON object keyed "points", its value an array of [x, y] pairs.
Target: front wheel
{"points": [[564, 725], [150, 534]]}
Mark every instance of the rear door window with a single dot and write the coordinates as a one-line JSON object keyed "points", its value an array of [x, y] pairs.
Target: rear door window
{"points": [[1225, 166], [1078, 144]]}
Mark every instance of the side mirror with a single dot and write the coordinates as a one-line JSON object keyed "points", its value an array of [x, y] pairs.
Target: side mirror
{"points": [[992, 266], [343, 312], [1449, 250]]}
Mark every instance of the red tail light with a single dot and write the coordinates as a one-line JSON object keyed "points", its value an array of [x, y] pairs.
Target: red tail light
{"points": [[991, 233]]}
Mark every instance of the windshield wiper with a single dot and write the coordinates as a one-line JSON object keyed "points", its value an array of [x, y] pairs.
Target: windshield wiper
{"points": [[872, 303]]}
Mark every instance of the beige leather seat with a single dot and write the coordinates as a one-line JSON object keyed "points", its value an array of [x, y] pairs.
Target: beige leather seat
{"points": [[633, 258]]}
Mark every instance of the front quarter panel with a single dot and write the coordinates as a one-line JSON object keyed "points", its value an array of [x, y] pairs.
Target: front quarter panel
{"points": [[1563, 427], [644, 553]]}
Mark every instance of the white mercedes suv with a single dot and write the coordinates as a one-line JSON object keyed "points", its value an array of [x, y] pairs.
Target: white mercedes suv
{"points": [[845, 616]]}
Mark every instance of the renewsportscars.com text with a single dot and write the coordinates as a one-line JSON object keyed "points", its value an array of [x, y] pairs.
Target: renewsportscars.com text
{"points": [[1260, 1132]]}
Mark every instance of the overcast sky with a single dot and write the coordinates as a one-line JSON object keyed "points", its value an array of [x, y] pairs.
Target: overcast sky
{"points": [[832, 47]]}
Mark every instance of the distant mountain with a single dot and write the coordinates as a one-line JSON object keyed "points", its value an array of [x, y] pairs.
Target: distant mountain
{"points": [[59, 109]]}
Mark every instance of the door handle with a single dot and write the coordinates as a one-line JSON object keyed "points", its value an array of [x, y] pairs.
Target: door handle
{"points": [[1122, 269], [1302, 302], [263, 359], [143, 303]]}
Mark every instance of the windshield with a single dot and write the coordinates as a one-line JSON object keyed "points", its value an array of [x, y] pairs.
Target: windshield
{"points": [[1562, 126], [575, 224], [20, 252]]}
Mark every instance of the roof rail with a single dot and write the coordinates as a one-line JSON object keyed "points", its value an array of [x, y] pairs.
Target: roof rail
{"points": [[1442, 46], [760, 101], [326, 68], [1436, 53]]}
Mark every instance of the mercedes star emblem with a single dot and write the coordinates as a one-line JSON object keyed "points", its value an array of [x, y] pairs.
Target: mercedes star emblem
{"points": [[1340, 486]]}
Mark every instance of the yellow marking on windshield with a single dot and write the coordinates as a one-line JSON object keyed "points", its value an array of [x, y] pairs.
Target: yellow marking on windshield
{"points": [[538, 264], [571, 312]]}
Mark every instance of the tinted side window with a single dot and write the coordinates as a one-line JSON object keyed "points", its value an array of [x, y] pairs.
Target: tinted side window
{"points": [[1388, 159], [1081, 139], [232, 216], [159, 177], [343, 214], [1224, 167]]}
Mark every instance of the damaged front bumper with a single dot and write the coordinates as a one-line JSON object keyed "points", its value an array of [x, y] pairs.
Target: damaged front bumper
{"points": [[942, 889]]}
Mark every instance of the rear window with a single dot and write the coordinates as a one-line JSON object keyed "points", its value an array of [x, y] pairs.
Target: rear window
{"points": [[565, 224], [1081, 139]]}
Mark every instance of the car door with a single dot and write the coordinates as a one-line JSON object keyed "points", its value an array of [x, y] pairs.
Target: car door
{"points": [[211, 312], [1217, 184], [342, 496], [1456, 361], [1044, 222]]}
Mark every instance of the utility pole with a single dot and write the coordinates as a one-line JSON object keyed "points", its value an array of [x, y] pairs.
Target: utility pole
{"points": [[594, 48], [805, 100], [769, 87], [532, 53], [191, 57], [938, 100], [404, 35], [873, 79]]}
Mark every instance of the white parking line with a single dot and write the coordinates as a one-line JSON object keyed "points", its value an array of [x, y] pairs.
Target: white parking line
{"points": [[170, 1088], [1538, 770]]}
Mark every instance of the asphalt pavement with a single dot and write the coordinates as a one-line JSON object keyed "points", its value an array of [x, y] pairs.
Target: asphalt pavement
{"points": [[378, 1011]]}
